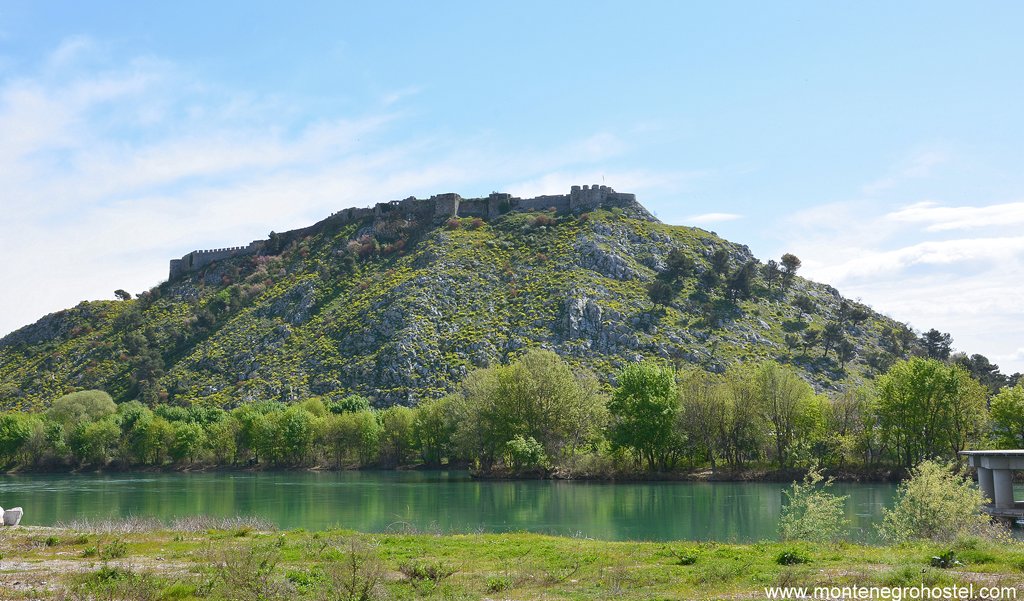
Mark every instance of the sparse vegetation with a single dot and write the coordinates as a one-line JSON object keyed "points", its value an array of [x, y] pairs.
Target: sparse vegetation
{"points": [[337, 565], [936, 503], [812, 513]]}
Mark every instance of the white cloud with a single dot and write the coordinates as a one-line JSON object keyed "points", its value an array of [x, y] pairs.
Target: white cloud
{"points": [[866, 262], [108, 171], [941, 218], [1017, 355], [910, 264]]}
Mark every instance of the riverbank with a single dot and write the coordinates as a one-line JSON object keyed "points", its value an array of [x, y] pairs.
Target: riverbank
{"points": [[130, 560], [700, 474]]}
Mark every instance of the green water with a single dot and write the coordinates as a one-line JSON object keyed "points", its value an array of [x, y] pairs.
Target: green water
{"points": [[435, 502]]}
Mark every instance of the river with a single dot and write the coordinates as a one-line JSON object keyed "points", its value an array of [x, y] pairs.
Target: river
{"points": [[447, 502]]}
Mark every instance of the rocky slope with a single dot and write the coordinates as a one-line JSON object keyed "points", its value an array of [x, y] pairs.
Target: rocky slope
{"points": [[399, 309]]}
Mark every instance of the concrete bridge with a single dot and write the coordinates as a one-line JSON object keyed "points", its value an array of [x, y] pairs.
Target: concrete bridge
{"points": [[995, 479]]}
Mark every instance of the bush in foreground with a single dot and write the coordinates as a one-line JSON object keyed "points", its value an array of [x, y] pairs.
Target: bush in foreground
{"points": [[813, 513], [937, 502]]}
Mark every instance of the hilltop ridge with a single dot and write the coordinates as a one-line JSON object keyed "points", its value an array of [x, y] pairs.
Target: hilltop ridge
{"points": [[436, 209], [400, 301]]}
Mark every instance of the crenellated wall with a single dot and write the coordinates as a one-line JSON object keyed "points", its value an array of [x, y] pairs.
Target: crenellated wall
{"points": [[198, 259], [438, 208]]}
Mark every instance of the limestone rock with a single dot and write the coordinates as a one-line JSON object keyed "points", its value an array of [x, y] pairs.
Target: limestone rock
{"points": [[12, 517]]}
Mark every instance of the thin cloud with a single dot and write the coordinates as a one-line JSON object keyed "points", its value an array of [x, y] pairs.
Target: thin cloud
{"points": [[918, 166], [943, 218], [70, 49], [108, 171], [904, 262], [399, 95], [868, 263]]}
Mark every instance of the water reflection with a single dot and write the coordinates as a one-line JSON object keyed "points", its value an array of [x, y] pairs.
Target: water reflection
{"points": [[435, 501]]}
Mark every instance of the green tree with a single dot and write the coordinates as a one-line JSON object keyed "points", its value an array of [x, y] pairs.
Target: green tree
{"points": [[135, 419], [252, 429], [927, 409], [678, 265], [315, 407], [831, 337], [349, 404], [353, 438], [850, 420], [720, 262], [295, 431], [938, 345], [936, 503], [811, 336], [743, 427], [189, 440], [788, 406], [771, 273], [812, 512], [94, 442], [433, 430], [222, 440], [661, 293], [524, 453], [87, 405], [15, 432], [537, 396], [740, 282], [643, 414], [266, 440], [704, 412], [1007, 412], [982, 370], [158, 440], [396, 444], [790, 265]]}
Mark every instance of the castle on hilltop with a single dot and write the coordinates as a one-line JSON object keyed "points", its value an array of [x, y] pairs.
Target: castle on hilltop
{"points": [[438, 209]]}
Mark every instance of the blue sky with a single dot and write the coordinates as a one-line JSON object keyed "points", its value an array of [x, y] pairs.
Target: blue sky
{"points": [[880, 142]]}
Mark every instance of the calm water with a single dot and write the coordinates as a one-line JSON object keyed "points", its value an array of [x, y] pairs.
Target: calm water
{"points": [[434, 501]]}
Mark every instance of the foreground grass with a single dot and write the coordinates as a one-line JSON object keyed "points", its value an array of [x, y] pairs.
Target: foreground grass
{"points": [[135, 563]]}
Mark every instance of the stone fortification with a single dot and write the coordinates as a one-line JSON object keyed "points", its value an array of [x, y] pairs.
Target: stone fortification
{"points": [[437, 209]]}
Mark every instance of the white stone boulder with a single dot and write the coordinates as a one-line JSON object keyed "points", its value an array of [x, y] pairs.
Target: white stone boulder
{"points": [[12, 517]]}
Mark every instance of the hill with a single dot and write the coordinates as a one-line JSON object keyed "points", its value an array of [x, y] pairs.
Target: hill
{"points": [[398, 302]]}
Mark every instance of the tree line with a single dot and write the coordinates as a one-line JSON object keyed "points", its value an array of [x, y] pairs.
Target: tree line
{"points": [[539, 415]]}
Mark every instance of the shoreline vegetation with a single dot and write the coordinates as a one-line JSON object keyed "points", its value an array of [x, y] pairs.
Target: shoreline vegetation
{"points": [[243, 560], [536, 417]]}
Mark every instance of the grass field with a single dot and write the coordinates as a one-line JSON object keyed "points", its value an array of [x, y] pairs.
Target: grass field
{"points": [[202, 560]]}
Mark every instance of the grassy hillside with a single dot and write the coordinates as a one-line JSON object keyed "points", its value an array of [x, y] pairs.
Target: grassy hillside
{"points": [[399, 310]]}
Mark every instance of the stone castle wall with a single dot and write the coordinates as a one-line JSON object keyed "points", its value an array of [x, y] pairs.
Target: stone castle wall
{"points": [[438, 209]]}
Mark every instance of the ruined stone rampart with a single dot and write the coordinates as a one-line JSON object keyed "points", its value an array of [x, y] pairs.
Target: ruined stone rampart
{"points": [[437, 209]]}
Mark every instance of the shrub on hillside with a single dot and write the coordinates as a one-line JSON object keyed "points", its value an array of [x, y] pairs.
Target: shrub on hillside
{"points": [[544, 220]]}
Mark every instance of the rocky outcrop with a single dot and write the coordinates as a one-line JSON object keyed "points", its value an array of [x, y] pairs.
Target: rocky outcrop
{"points": [[333, 313]]}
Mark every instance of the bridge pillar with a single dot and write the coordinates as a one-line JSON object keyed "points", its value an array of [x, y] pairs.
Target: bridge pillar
{"points": [[1002, 481], [986, 485]]}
